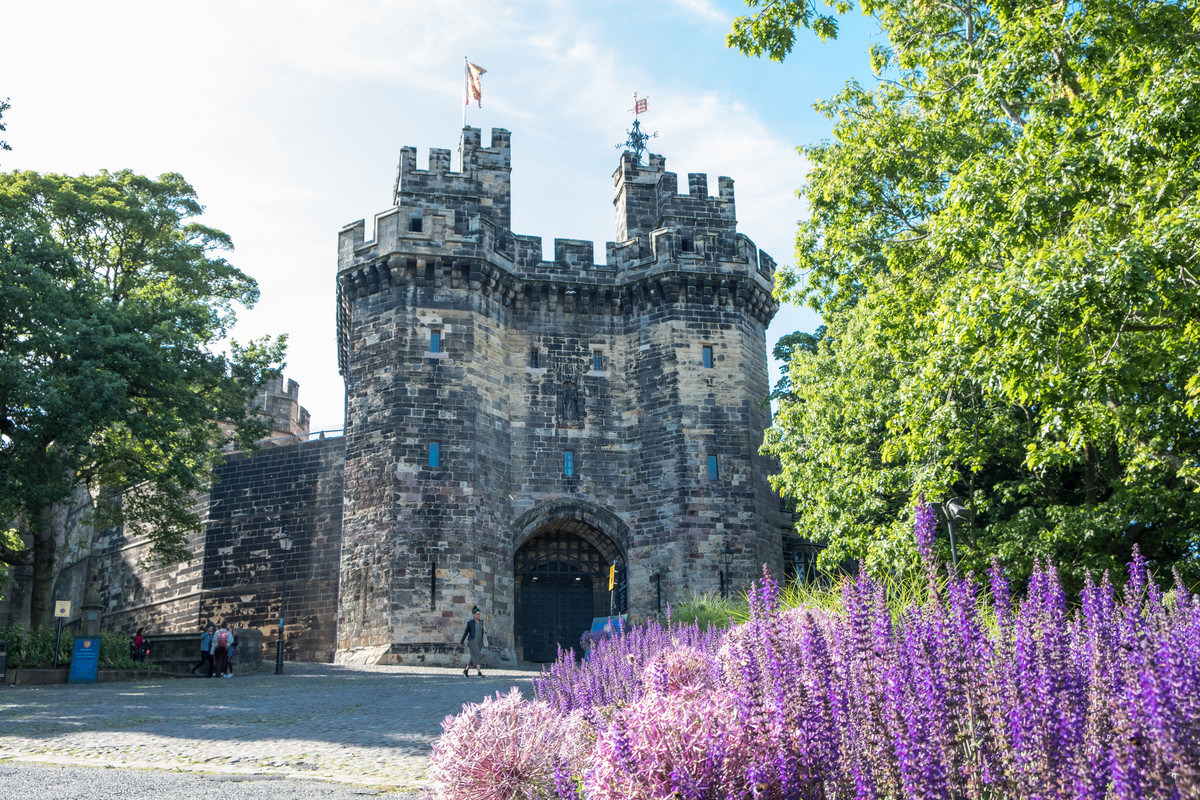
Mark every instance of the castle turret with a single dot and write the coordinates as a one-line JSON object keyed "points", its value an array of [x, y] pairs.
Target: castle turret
{"points": [[481, 187], [280, 405], [635, 195]]}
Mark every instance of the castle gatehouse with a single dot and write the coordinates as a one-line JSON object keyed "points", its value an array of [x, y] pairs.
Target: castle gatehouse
{"points": [[518, 423]]}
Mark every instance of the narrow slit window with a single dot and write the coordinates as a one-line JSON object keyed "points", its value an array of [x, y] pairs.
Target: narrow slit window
{"points": [[435, 454], [568, 463], [686, 244], [435, 341], [597, 361], [414, 224], [534, 358], [713, 472], [706, 356]]}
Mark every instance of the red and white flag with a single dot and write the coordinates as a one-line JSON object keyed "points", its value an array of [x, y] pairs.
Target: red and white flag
{"points": [[474, 84], [639, 106]]}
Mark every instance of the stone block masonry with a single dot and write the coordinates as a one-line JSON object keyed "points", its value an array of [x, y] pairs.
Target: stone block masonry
{"points": [[297, 488], [236, 573]]}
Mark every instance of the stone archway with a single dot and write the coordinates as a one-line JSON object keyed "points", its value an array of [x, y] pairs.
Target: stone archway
{"points": [[562, 554]]}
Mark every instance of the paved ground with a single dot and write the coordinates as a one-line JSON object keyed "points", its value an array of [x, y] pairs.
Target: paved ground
{"points": [[364, 726]]}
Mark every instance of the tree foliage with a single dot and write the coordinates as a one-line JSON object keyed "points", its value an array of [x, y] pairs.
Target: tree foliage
{"points": [[112, 300], [1003, 246], [4, 106]]}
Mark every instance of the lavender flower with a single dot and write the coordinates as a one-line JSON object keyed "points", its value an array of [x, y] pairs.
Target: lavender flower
{"points": [[925, 529]]}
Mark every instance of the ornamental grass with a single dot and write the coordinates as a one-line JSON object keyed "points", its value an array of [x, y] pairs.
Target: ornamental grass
{"points": [[968, 693]]}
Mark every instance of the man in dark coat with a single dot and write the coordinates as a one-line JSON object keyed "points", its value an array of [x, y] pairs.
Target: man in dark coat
{"points": [[475, 638]]}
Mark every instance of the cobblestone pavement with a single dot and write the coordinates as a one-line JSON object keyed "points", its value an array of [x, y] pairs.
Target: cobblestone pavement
{"points": [[369, 726]]}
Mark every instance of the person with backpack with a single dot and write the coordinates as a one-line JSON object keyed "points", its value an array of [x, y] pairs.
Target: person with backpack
{"points": [[222, 640]]}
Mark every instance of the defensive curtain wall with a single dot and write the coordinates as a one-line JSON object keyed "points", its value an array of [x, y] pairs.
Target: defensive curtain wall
{"points": [[515, 425], [235, 574]]}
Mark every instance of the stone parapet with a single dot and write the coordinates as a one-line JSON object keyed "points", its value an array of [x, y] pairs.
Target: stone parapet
{"points": [[449, 227]]}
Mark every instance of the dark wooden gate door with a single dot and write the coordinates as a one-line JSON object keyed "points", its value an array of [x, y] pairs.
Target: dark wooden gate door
{"points": [[554, 614]]}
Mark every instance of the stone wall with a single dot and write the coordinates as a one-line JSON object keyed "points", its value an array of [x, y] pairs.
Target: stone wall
{"points": [[236, 573], [74, 534], [297, 488], [161, 599], [179, 653]]}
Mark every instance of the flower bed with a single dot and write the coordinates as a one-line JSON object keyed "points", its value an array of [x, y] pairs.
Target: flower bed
{"points": [[956, 696]]}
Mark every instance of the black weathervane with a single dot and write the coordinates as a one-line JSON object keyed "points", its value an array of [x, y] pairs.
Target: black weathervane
{"points": [[636, 143]]}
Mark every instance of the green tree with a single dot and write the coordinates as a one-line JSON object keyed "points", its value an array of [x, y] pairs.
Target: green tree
{"points": [[4, 106], [112, 299], [1003, 245], [785, 349]]}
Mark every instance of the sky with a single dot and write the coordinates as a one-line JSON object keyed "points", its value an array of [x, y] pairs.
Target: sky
{"points": [[288, 119]]}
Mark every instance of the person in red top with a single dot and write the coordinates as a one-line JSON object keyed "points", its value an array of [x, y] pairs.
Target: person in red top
{"points": [[139, 649]]}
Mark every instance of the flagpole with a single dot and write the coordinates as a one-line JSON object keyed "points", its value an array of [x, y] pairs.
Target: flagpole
{"points": [[462, 167]]}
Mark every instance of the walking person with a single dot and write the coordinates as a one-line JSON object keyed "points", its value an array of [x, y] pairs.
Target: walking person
{"points": [[233, 648], [220, 652], [475, 638], [205, 648]]}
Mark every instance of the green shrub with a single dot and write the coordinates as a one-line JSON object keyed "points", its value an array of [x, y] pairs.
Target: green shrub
{"points": [[708, 609], [114, 653], [35, 648], [825, 593]]}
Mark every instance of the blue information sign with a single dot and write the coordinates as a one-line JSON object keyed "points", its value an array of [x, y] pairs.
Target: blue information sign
{"points": [[610, 626], [85, 661]]}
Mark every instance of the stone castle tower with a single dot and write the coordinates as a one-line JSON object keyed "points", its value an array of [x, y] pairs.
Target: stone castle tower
{"points": [[516, 425]]}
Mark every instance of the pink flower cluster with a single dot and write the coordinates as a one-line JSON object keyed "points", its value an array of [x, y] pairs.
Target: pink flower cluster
{"points": [[507, 747]]}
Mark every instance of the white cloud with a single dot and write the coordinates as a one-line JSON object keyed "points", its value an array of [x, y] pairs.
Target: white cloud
{"points": [[703, 9]]}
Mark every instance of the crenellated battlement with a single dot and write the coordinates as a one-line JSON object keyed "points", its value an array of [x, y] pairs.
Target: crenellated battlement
{"points": [[480, 187], [280, 404], [448, 227], [650, 210]]}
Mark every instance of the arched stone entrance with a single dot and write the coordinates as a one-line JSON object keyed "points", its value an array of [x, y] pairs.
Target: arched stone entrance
{"points": [[563, 552]]}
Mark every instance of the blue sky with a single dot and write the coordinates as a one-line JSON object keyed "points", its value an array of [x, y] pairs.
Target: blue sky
{"points": [[288, 118]]}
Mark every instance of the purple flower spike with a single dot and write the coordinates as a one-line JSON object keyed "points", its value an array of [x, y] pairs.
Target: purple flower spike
{"points": [[1001, 595], [565, 787], [925, 529], [769, 591]]}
